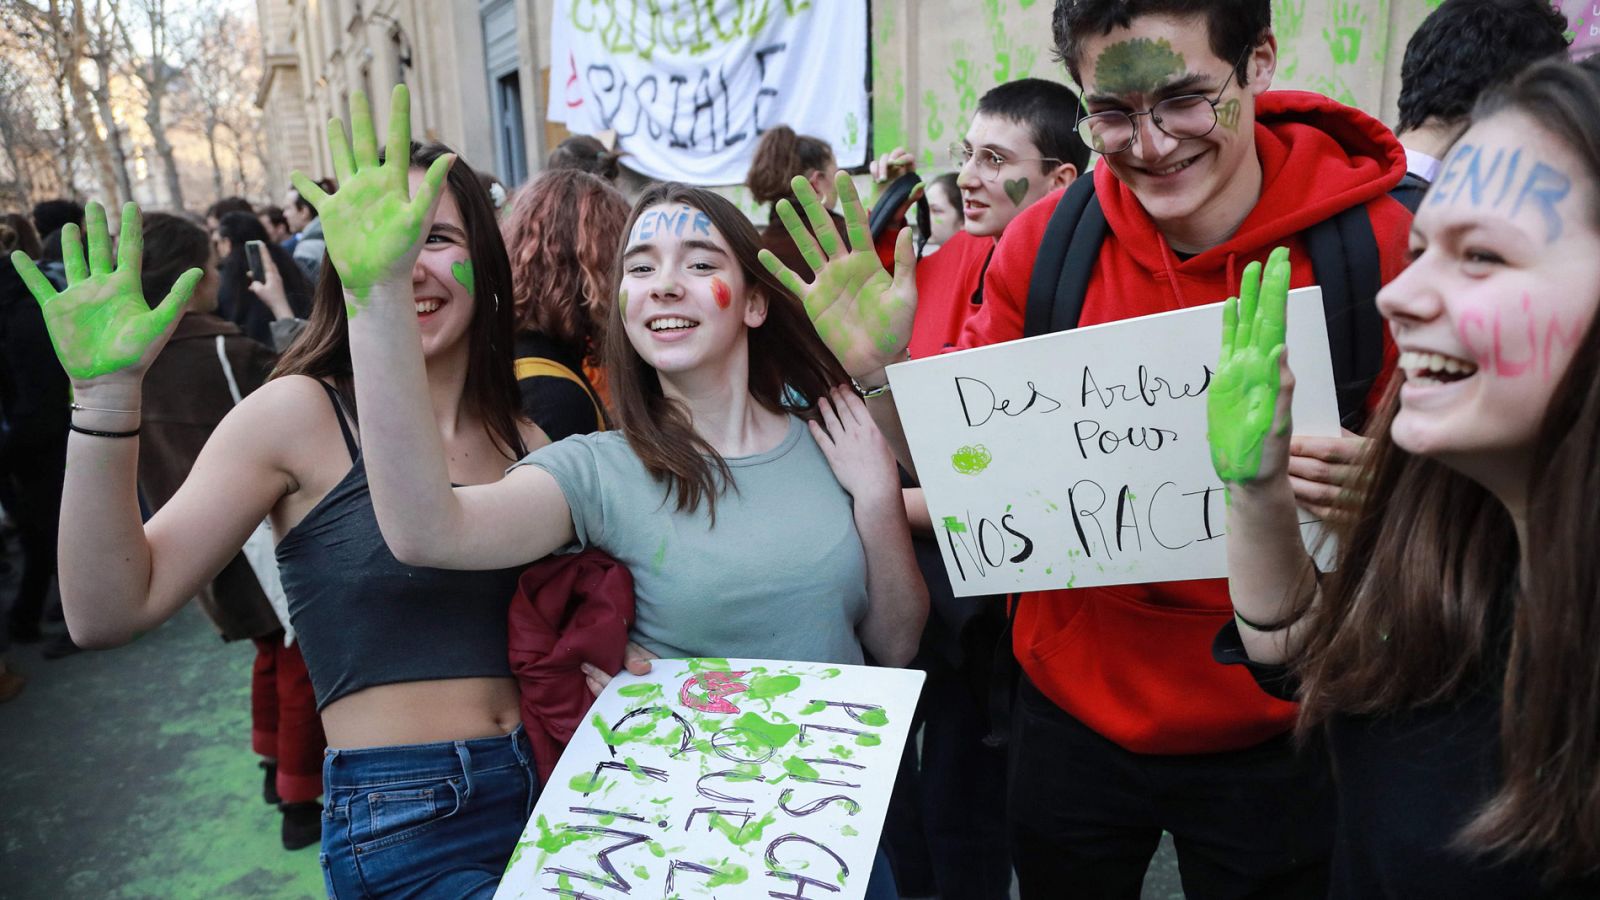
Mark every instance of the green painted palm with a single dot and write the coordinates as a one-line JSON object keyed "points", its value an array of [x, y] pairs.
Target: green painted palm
{"points": [[863, 313], [372, 223], [101, 323], [1243, 396]]}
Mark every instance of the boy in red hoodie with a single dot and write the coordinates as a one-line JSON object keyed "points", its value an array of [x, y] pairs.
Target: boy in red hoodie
{"points": [[1124, 727]]}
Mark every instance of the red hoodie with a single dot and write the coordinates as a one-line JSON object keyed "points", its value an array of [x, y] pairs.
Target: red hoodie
{"points": [[1133, 662], [947, 279]]}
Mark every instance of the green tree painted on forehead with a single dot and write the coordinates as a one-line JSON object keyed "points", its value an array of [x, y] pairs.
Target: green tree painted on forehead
{"points": [[1137, 66]]}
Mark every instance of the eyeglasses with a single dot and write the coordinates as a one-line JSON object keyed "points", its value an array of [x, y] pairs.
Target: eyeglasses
{"points": [[1183, 117], [990, 163]]}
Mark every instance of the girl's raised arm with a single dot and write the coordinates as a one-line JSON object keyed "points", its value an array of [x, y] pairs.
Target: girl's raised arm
{"points": [[375, 229]]}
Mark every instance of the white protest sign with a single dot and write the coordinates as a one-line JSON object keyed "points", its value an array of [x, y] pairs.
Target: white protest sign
{"points": [[721, 778], [690, 87], [1080, 458]]}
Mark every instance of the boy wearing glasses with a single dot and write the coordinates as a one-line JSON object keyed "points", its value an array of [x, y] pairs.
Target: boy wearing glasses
{"points": [[1019, 148], [1124, 726]]}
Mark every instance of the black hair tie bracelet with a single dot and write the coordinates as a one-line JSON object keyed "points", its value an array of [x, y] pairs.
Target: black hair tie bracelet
{"points": [[105, 434]]}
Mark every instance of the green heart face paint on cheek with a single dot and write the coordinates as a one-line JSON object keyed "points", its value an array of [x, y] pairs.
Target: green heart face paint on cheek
{"points": [[463, 274], [1137, 66], [1017, 189]]}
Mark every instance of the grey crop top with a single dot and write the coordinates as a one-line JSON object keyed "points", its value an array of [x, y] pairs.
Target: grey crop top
{"points": [[364, 619]]}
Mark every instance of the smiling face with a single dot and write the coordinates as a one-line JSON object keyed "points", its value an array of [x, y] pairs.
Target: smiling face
{"points": [[441, 279], [991, 200], [1197, 189], [1504, 283], [686, 304]]}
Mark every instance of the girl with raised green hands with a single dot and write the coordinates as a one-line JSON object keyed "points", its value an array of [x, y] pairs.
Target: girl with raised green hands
{"points": [[1449, 657], [408, 665]]}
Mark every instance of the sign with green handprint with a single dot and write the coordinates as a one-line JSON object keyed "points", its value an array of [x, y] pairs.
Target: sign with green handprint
{"points": [[101, 323], [372, 223], [1081, 458]]}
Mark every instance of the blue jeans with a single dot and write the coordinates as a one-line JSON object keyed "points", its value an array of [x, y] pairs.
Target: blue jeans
{"points": [[426, 820]]}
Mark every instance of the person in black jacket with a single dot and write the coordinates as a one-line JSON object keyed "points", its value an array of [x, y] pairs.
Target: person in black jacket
{"points": [[235, 299], [1448, 657]]}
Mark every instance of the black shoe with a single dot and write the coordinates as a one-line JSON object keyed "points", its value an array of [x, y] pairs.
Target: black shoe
{"points": [[269, 784], [59, 646], [302, 824]]}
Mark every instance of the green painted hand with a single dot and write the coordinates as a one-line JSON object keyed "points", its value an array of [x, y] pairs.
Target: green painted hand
{"points": [[101, 323], [1243, 398], [373, 226], [862, 314]]}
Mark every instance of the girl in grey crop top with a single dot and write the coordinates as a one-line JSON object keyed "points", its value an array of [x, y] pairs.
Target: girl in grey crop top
{"points": [[749, 491]]}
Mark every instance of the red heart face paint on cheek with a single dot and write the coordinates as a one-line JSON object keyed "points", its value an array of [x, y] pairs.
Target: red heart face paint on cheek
{"points": [[721, 293]]}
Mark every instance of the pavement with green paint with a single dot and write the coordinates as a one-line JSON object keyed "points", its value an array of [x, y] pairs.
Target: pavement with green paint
{"points": [[127, 773]]}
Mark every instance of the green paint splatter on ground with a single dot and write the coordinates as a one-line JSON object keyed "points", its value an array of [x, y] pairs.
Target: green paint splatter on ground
{"points": [[954, 525], [463, 273], [1137, 66], [971, 460]]}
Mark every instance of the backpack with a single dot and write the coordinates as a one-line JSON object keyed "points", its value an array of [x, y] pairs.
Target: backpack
{"points": [[1344, 261], [544, 367]]}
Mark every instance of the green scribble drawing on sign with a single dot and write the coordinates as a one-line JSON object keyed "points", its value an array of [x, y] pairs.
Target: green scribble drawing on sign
{"points": [[1344, 39], [462, 272], [1137, 66], [954, 525], [972, 459]]}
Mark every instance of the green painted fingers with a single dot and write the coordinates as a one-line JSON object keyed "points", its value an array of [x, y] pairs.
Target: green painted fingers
{"points": [[1243, 398], [372, 223], [1137, 66], [101, 323], [862, 313]]}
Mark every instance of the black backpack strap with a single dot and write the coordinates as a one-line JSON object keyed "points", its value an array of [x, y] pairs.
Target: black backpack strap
{"points": [[1410, 190], [1066, 257], [1344, 262]]}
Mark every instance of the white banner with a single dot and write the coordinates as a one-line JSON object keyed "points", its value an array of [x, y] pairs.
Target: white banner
{"points": [[1080, 458], [690, 85], [721, 778]]}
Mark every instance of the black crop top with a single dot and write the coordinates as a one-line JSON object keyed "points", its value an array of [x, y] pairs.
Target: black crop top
{"points": [[363, 618]]}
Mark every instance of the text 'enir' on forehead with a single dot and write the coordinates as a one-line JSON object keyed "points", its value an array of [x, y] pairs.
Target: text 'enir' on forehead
{"points": [[680, 220]]}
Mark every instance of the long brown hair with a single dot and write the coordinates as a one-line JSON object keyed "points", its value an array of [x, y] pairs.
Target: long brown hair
{"points": [[779, 156], [790, 368], [562, 231], [323, 350], [1428, 579]]}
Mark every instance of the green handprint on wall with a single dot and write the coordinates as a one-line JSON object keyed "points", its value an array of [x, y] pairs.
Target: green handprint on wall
{"points": [[101, 323], [1344, 39], [1243, 397], [372, 224]]}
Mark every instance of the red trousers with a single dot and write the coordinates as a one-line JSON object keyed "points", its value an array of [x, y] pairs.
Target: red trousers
{"points": [[284, 724]]}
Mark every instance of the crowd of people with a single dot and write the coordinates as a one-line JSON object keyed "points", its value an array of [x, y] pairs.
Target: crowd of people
{"points": [[348, 425]]}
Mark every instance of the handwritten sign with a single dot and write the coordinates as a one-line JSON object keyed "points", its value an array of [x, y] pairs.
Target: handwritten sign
{"points": [[721, 778], [1080, 458], [690, 87]]}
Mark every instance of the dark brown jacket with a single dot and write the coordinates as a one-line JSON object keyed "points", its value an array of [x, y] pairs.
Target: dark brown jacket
{"points": [[185, 396]]}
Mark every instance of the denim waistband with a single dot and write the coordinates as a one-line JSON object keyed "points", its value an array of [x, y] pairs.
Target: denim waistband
{"points": [[375, 766]]}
